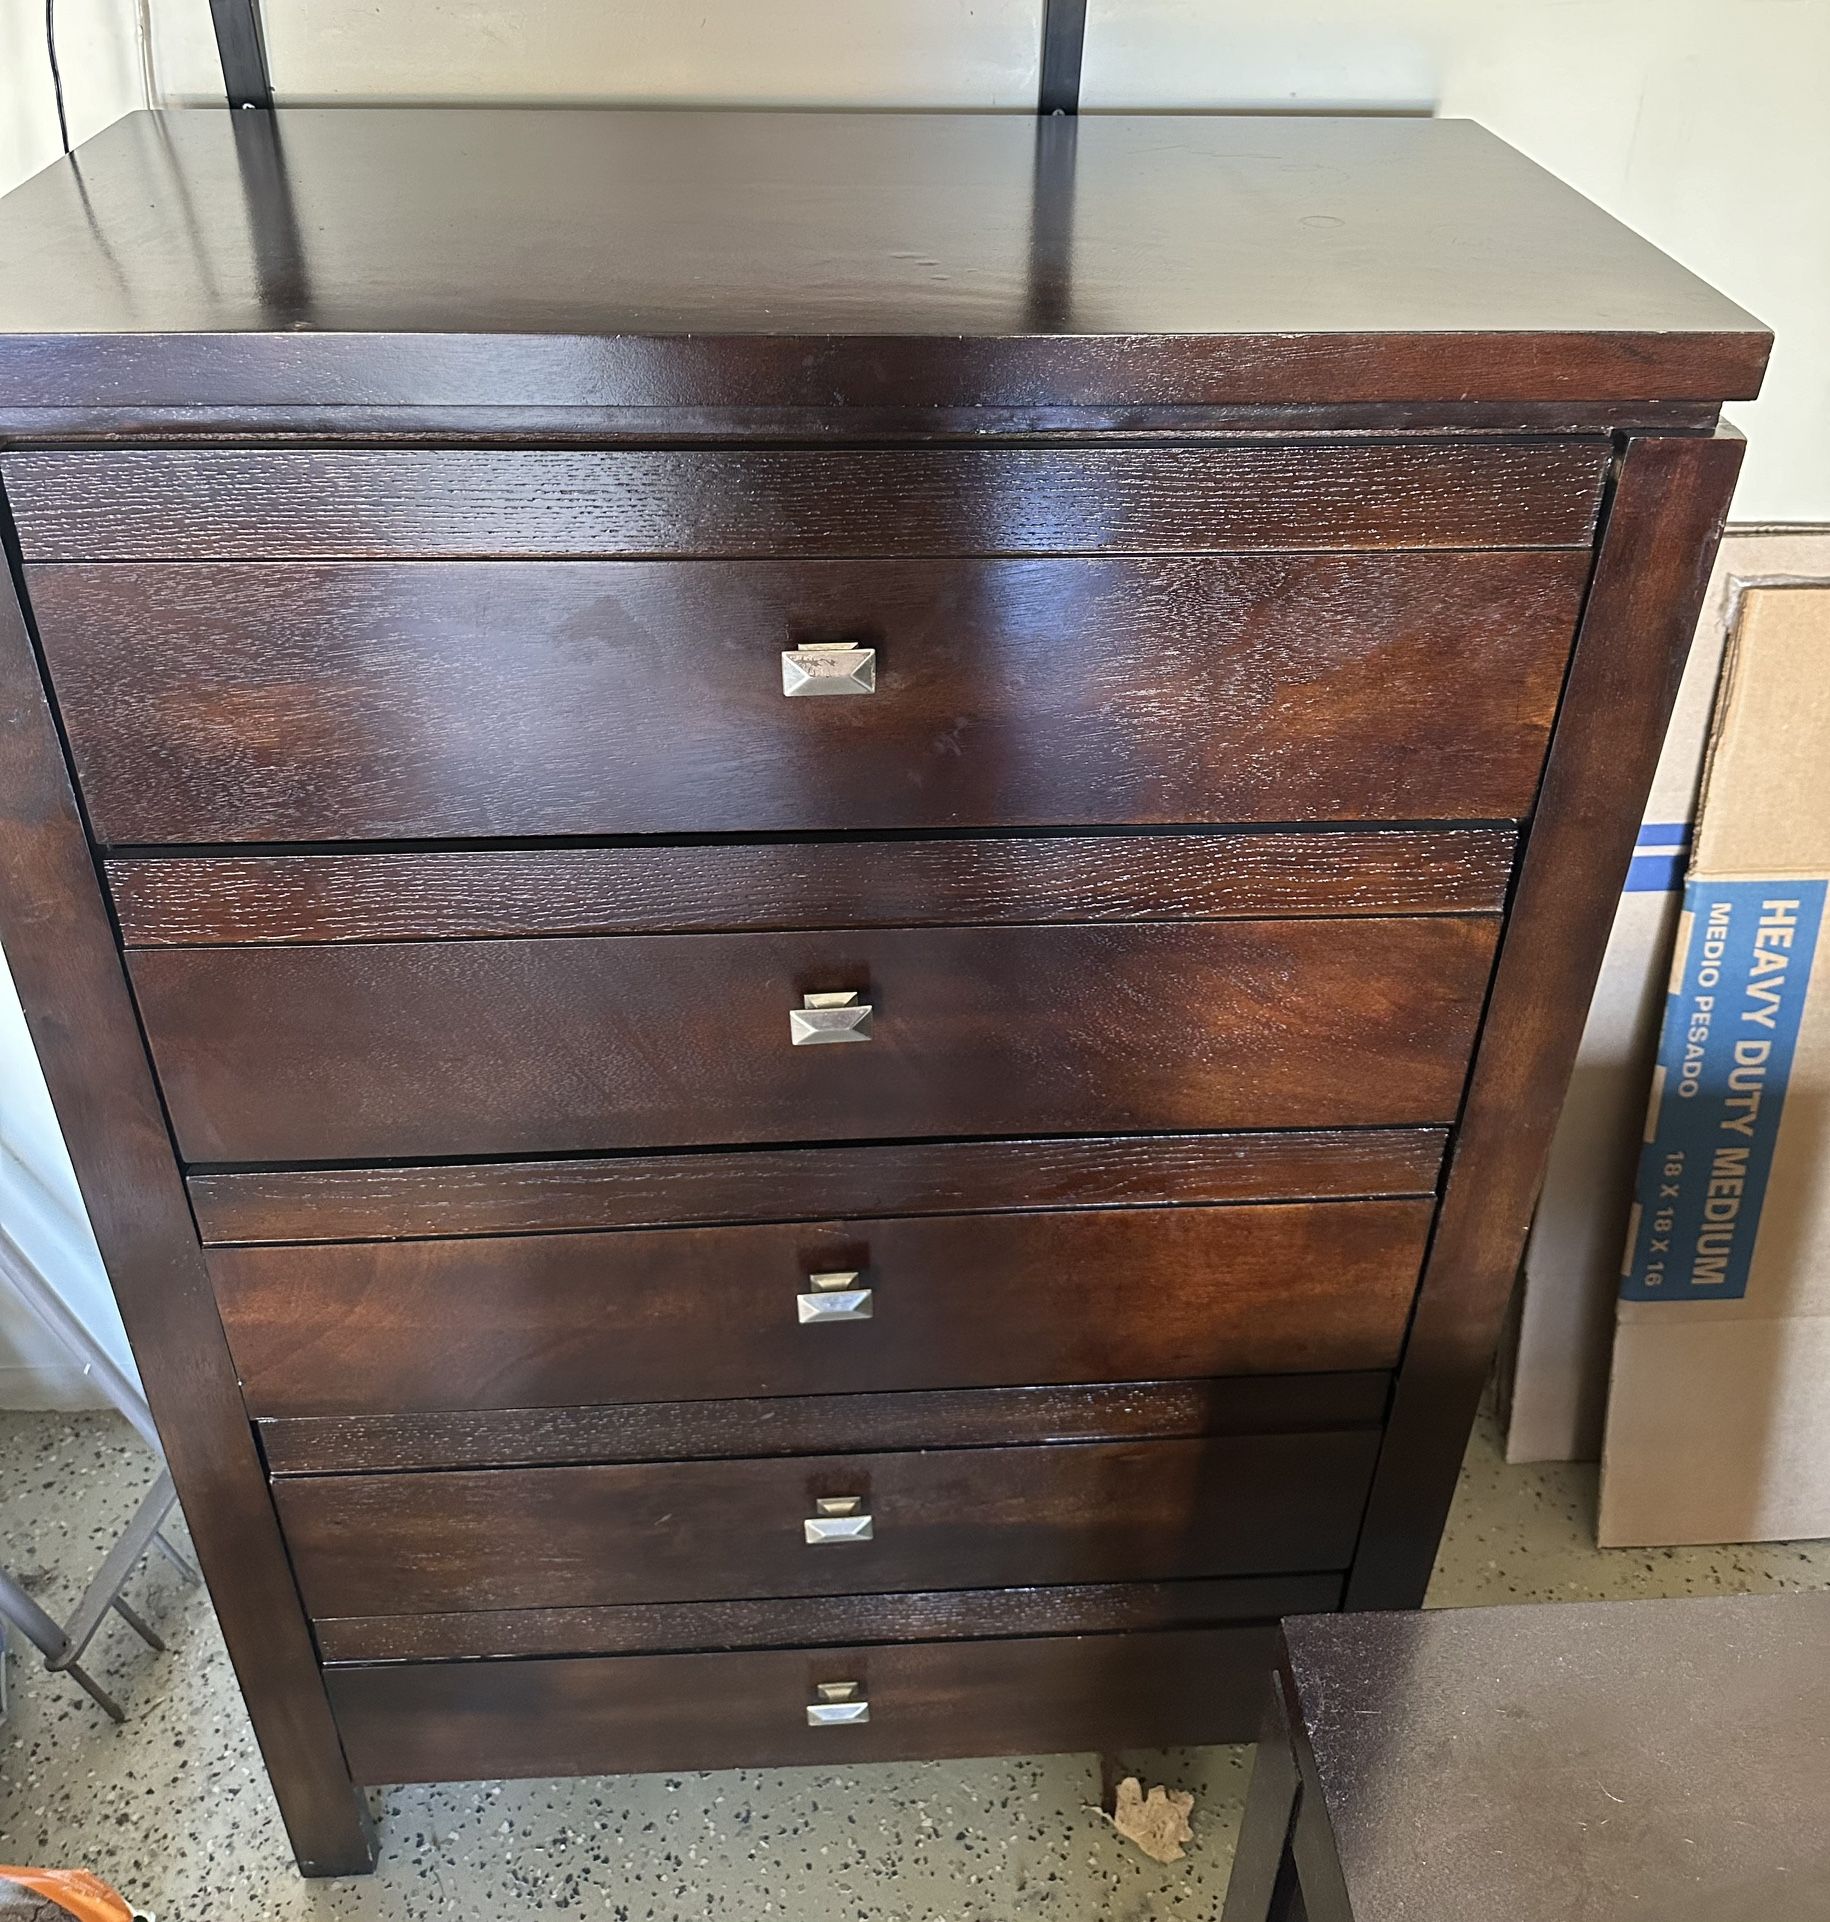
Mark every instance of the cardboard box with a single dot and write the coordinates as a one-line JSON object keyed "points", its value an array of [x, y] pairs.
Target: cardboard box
{"points": [[1553, 1377], [1554, 1371], [1718, 1426]]}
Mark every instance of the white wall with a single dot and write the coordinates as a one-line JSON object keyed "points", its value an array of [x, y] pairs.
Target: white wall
{"points": [[98, 47], [1700, 122], [43, 1227], [877, 53]]}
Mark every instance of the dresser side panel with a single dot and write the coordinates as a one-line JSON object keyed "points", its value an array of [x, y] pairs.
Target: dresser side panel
{"points": [[60, 948], [1659, 539]]}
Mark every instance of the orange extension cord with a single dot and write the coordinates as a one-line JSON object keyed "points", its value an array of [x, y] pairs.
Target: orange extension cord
{"points": [[74, 1890]]}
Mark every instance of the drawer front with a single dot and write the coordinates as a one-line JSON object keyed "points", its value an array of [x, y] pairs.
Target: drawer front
{"points": [[492, 891], [813, 1308], [651, 1431], [796, 1184], [629, 1715], [183, 503], [934, 1615], [350, 702], [491, 1047], [715, 1530]]}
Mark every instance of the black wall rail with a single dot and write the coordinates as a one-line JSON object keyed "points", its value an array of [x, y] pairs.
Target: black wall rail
{"points": [[243, 52]]}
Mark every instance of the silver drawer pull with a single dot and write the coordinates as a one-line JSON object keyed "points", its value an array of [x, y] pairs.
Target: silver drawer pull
{"points": [[838, 1705], [822, 1018], [829, 667], [836, 1297], [839, 1518]]}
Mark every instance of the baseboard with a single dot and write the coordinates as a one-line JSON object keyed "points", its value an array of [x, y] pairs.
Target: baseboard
{"points": [[50, 1388]]}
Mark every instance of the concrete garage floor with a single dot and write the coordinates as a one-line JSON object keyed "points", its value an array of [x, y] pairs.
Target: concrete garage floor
{"points": [[174, 1810]]}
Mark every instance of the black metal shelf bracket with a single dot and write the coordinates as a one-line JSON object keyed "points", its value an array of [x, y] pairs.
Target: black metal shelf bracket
{"points": [[243, 52], [247, 83], [1064, 33]]}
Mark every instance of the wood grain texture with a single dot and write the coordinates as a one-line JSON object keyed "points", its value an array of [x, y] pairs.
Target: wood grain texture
{"points": [[1662, 530], [960, 1301], [183, 503], [441, 700], [515, 1047], [411, 1544], [1083, 1608], [639, 1714], [465, 258], [60, 949], [788, 1184], [244, 424], [715, 888], [822, 1424]]}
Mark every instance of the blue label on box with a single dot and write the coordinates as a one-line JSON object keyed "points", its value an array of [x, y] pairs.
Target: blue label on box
{"points": [[1659, 857], [1731, 1027]]}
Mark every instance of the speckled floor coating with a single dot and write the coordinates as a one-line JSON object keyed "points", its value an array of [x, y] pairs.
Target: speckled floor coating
{"points": [[173, 1807]]}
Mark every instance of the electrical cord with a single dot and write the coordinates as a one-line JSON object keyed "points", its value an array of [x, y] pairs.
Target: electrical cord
{"points": [[57, 78]]}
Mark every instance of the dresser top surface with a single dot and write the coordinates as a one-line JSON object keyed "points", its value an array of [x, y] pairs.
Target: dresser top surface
{"points": [[471, 256]]}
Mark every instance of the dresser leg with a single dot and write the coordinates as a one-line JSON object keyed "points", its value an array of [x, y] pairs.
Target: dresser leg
{"points": [[335, 1841]]}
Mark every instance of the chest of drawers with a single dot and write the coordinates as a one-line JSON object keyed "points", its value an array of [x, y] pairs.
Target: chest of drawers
{"points": [[808, 893]]}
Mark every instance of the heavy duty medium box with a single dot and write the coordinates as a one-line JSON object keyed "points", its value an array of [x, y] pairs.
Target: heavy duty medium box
{"points": [[1553, 1376], [1719, 1410]]}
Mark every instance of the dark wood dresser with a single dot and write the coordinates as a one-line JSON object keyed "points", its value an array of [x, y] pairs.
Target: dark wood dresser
{"points": [[808, 892]]}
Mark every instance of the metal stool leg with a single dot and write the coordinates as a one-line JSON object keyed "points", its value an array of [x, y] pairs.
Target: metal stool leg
{"points": [[95, 1692], [140, 1626], [176, 1557], [43, 1632], [63, 1647]]}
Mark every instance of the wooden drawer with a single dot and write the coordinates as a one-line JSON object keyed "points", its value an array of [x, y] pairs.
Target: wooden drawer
{"points": [[348, 702], [466, 1048], [950, 1301], [629, 1715], [188, 503], [711, 1530]]}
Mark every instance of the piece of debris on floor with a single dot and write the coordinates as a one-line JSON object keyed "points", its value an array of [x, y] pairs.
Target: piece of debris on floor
{"points": [[1157, 1822]]}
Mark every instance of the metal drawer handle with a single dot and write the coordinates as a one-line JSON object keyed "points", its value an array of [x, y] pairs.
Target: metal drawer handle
{"points": [[838, 1705], [822, 1018], [839, 1518], [836, 1297], [829, 667]]}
